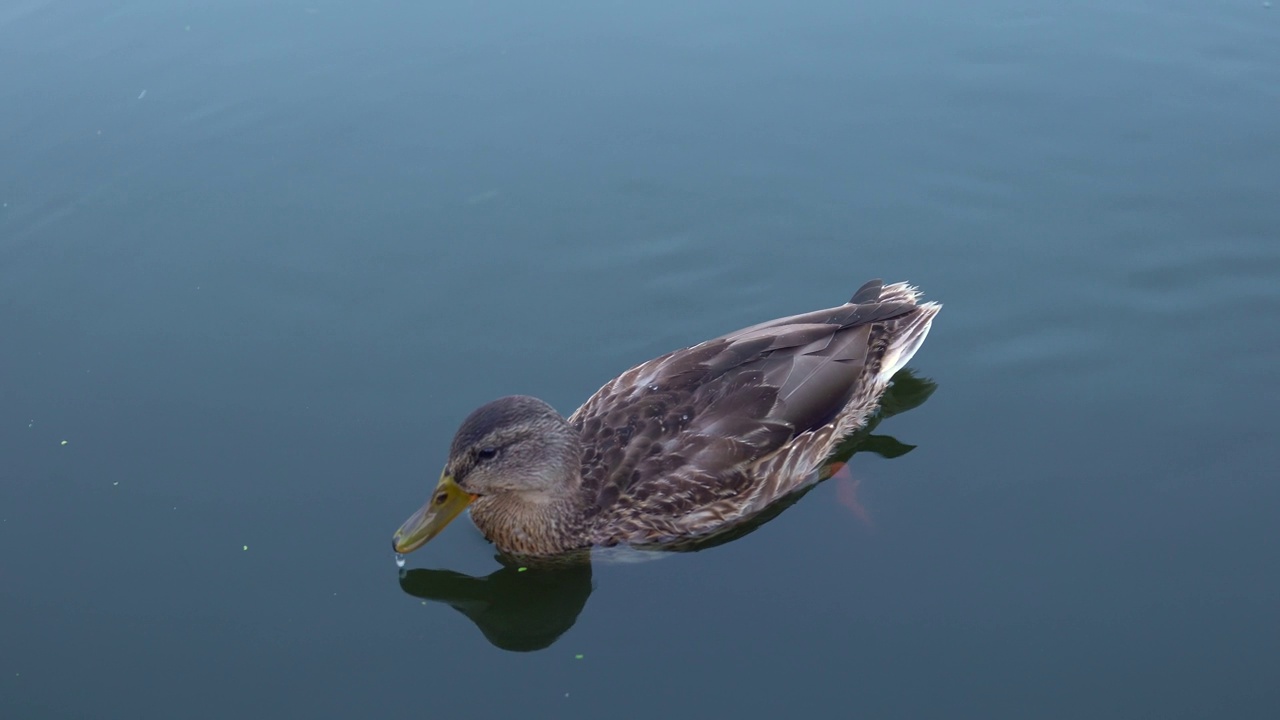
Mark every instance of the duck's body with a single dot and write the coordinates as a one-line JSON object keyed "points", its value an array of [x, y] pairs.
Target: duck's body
{"points": [[685, 444]]}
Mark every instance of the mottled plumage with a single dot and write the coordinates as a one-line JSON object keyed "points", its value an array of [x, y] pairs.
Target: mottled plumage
{"points": [[691, 442]]}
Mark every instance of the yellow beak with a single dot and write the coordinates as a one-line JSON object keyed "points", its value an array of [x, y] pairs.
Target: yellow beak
{"points": [[446, 503]]}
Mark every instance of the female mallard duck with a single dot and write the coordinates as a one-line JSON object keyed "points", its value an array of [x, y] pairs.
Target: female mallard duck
{"points": [[680, 446]]}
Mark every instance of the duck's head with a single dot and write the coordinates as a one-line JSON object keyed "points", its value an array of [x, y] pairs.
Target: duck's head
{"points": [[514, 446]]}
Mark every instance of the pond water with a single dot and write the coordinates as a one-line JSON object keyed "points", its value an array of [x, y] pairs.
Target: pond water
{"points": [[257, 261]]}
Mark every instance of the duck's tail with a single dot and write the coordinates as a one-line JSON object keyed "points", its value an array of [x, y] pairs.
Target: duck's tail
{"points": [[903, 335], [890, 345]]}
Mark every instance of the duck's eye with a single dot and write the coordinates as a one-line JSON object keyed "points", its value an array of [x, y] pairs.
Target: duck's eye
{"points": [[440, 498], [486, 453]]}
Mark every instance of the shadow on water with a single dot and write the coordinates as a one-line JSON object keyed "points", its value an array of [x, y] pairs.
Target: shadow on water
{"points": [[516, 609], [523, 607]]}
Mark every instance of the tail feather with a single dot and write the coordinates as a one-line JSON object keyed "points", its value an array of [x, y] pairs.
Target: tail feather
{"points": [[905, 337]]}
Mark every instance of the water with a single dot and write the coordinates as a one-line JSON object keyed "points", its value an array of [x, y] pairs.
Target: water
{"points": [[258, 260]]}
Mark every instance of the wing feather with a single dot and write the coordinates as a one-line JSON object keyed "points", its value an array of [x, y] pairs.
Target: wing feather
{"points": [[676, 440]]}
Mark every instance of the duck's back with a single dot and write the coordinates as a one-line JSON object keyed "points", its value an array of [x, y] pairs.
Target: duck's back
{"points": [[702, 437]]}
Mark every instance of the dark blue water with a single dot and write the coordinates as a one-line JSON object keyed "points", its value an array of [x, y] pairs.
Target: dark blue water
{"points": [[258, 260]]}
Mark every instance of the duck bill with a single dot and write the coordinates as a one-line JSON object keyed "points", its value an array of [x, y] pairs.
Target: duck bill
{"points": [[447, 501]]}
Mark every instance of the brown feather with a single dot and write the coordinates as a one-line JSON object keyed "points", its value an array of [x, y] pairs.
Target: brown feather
{"points": [[710, 434]]}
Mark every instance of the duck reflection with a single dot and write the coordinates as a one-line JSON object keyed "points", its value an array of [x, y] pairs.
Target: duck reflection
{"points": [[517, 608], [527, 604]]}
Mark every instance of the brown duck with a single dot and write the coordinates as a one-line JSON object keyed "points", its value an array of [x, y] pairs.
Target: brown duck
{"points": [[682, 446]]}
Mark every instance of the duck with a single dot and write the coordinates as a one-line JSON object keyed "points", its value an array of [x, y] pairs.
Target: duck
{"points": [[682, 446]]}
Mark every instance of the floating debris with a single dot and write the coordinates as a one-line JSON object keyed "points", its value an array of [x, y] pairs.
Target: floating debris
{"points": [[64, 442], [399, 560], [246, 547], [521, 569], [578, 656], [142, 94]]}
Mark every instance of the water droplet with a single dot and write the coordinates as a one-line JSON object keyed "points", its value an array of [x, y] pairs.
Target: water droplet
{"points": [[399, 560]]}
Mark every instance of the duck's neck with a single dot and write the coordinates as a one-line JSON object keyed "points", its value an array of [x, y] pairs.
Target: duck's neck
{"points": [[530, 523]]}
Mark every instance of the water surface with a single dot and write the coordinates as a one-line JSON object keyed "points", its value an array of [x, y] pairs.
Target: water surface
{"points": [[258, 260]]}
